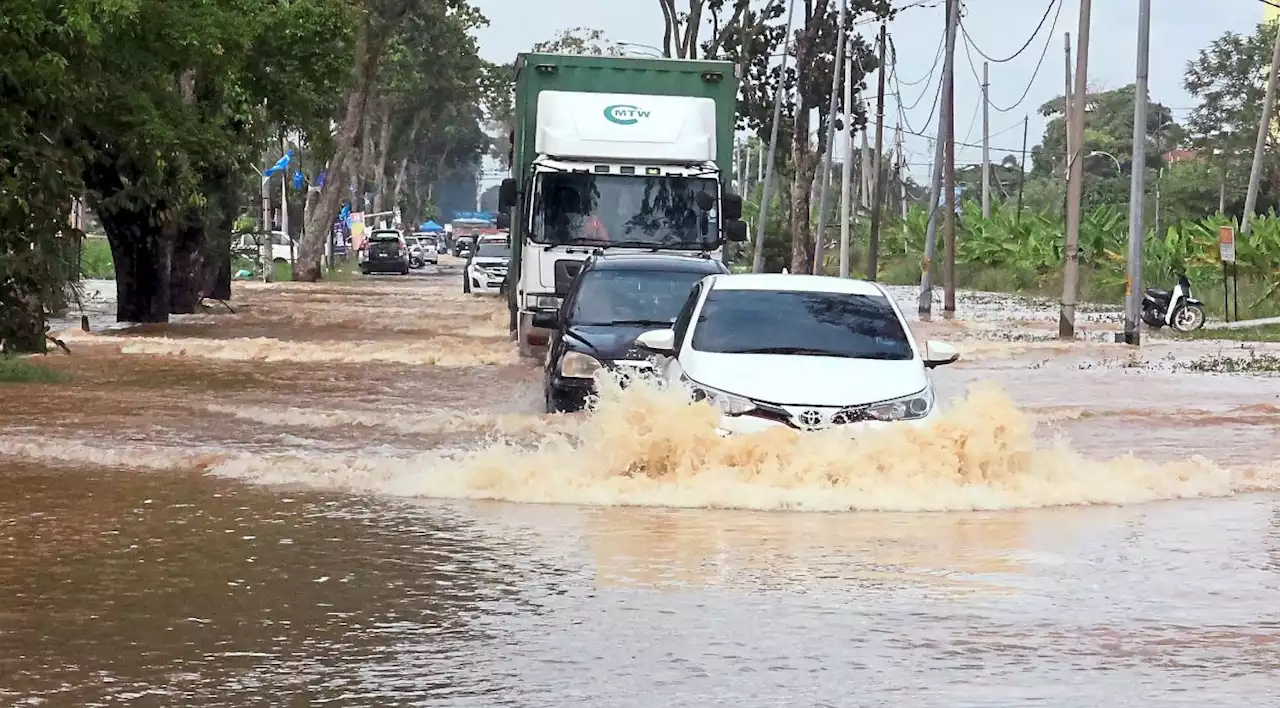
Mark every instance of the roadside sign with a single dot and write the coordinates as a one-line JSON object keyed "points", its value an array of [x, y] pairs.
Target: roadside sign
{"points": [[357, 229], [1227, 244]]}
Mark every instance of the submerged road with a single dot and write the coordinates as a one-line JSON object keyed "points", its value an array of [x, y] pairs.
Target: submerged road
{"points": [[326, 499]]}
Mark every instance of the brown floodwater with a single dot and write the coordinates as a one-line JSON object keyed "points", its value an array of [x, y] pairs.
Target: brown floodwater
{"points": [[347, 494]]}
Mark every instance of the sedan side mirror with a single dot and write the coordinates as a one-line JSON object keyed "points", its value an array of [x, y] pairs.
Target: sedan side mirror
{"points": [[546, 320], [939, 354], [662, 341]]}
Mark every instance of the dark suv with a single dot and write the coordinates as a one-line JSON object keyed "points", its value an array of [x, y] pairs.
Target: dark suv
{"points": [[613, 300]]}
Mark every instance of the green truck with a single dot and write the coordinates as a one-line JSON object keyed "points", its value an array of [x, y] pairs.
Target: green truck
{"points": [[613, 154]]}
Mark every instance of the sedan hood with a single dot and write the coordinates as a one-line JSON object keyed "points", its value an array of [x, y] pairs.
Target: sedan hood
{"points": [[807, 380], [610, 341]]}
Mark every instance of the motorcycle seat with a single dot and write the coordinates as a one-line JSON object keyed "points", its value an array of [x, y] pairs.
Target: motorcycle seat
{"points": [[1158, 294]]}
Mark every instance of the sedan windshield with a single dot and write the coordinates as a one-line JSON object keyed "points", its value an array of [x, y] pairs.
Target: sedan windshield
{"points": [[638, 297], [589, 209], [801, 323], [493, 250]]}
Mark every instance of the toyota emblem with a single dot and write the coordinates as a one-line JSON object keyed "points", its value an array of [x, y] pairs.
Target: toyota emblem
{"points": [[810, 419]]}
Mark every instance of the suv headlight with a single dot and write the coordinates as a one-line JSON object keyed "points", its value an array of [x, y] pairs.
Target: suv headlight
{"points": [[576, 365], [913, 407], [727, 403]]}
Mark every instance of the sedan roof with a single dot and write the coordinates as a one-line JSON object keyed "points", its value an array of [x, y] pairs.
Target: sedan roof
{"points": [[657, 261]]}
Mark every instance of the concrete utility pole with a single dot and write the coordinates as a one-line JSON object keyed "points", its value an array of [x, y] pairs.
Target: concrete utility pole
{"points": [[846, 170], [1022, 171], [820, 238], [949, 165], [1075, 185], [877, 184], [986, 141], [925, 303], [864, 177], [757, 262], [1264, 128], [1137, 188], [1066, 107]]}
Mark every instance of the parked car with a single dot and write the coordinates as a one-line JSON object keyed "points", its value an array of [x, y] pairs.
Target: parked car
{"points": [[430, 249], [385, 252], [613, 300], [463, 245], [801, 351], [283, 248], [486, 269], [415, 252]]}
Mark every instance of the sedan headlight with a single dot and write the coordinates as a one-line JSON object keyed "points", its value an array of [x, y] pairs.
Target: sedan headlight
{"points": [[576, 365], [728, 403], [913, 407]]}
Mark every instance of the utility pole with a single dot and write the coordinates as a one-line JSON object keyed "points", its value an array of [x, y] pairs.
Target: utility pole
{"points": [[899, 152], [1137, 188], [1066, 117], [820, 237], [757, 262], [1022, 176], [264, 245], [1075, 184], [846, 169], [877, 188], [1264, 128], [935, 183], [864, 177], [986, 141], [949, 164]]}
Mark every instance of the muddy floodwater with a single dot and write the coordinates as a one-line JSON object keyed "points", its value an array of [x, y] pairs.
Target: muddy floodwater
{"points": [[346, 494]]}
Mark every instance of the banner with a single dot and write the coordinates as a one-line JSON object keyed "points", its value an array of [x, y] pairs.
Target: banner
{"points": [[357, 229]]}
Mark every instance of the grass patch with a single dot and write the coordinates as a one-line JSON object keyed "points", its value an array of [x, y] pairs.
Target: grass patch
{"points": [[1268, 333], [21, 370], [1253, 364], [95, 259]]}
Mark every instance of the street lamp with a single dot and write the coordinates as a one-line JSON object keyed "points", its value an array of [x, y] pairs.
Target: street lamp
{"points": [[1096, 153]]}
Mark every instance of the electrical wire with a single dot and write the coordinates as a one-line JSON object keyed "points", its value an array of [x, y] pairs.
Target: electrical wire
{"points": [[1016, 54], [1034, 75]]}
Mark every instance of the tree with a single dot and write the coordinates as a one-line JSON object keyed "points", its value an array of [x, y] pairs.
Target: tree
{"points": [[1228, 79], [430, 58], [810, 75], [579, 40]]}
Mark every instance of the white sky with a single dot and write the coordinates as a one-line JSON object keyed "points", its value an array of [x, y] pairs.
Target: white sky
{"points": [[1180, 28]]}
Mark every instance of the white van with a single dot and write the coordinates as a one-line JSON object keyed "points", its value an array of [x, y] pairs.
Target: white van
{"points": [[283, 249]]}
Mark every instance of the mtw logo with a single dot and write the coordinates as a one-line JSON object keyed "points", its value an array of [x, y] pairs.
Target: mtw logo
{"points": [[624, 114]]}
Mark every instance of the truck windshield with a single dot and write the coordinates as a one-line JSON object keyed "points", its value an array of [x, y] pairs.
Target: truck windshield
{"points": [[580, 209]]}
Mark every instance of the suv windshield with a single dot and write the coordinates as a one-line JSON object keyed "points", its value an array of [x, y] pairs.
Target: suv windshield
{"points": [[639, 297], [493, 250], [589, 209], [801, 323]]}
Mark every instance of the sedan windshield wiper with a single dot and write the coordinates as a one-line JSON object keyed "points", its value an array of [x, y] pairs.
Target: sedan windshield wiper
{"points": [[804, 351]]}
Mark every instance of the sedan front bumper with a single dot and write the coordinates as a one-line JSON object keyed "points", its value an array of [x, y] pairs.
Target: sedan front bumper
{"points": [[747, 423]]}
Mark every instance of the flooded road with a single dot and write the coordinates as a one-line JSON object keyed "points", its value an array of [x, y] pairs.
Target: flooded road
{"points": [[346, 494]]}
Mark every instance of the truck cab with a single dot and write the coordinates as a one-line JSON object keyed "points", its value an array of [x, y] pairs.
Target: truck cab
{"points": [[601, 171]]}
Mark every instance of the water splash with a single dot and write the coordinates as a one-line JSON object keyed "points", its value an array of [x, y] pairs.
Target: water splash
{"points": [[645, 446]]}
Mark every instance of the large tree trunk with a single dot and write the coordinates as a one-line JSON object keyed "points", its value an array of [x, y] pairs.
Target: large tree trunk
{"points": [[186, 265], [368, 51], [22, 324], [380, 163], [142, 249], [801, 196]]}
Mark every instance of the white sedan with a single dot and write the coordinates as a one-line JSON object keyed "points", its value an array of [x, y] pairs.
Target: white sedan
{"points": [[801, 351]]}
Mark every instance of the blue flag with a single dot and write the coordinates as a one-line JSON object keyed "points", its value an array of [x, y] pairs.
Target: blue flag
{"points": [[297, 180], [281, 164]]}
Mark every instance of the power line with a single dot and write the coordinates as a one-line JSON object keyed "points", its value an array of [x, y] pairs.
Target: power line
{"points": [[988, 57], [1035, 74]]}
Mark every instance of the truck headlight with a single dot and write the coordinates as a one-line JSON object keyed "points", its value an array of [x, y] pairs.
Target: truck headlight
{"points": [[576, 365], [727, 403], [913, 407], [546, 302]]}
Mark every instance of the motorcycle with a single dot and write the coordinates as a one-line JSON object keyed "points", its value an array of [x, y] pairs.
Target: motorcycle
{"points": [[1176, 308]]}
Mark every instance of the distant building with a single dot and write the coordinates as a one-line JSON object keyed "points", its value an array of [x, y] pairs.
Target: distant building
{"points": [[1180, 155]]}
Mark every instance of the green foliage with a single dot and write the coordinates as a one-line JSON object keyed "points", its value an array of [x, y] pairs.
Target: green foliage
{"points": [[95, 260], [1026, 254], [23, 370]]}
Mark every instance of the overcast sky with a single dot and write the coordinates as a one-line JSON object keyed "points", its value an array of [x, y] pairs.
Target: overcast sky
{"points": [[1180, 28]]}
